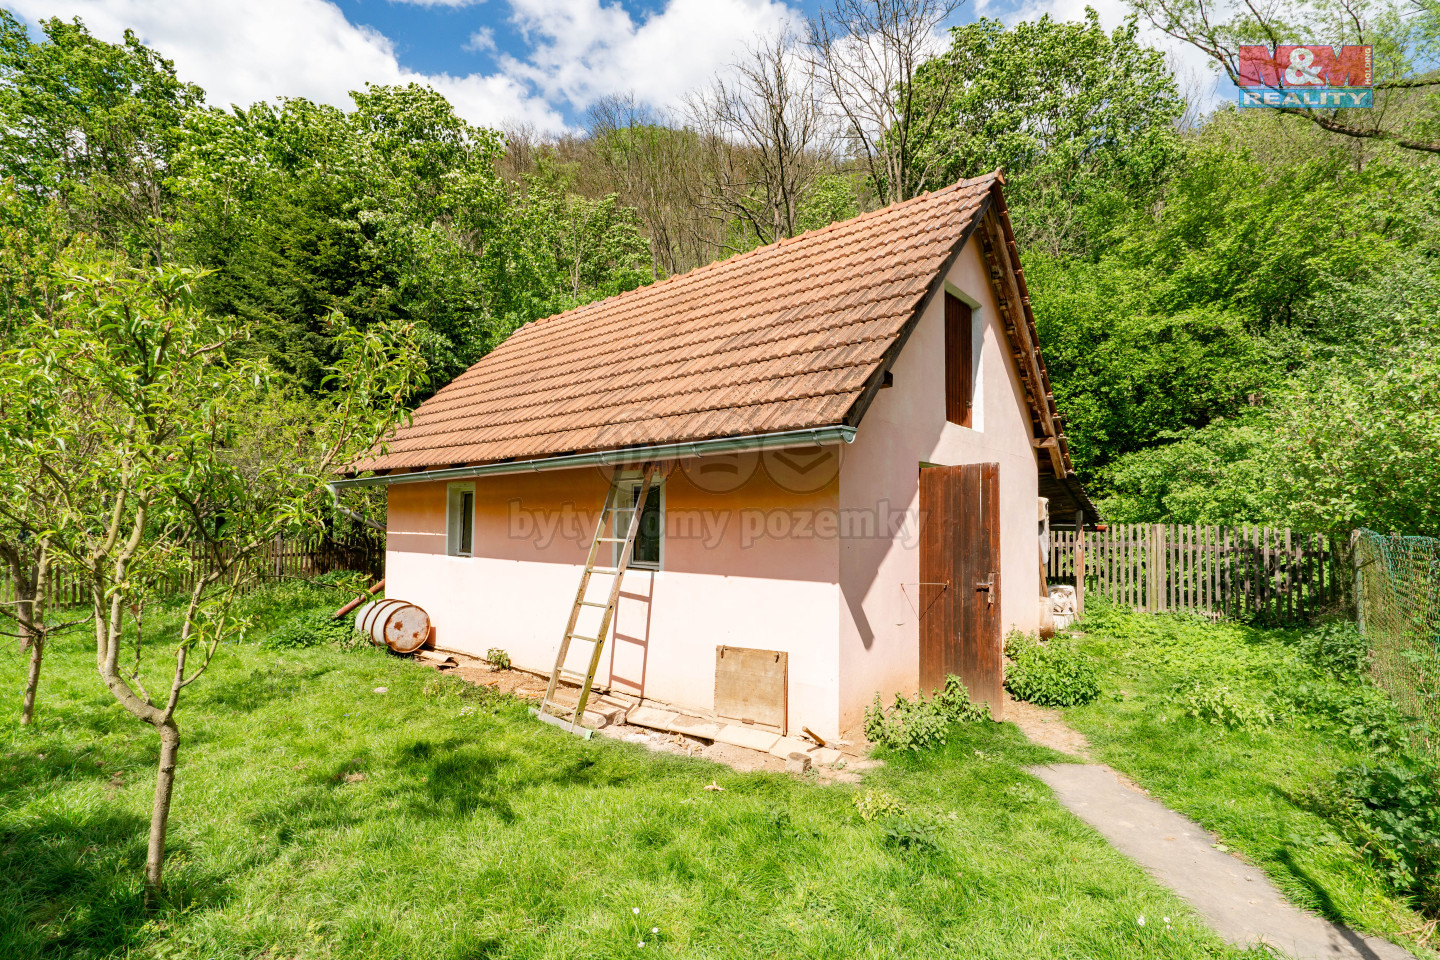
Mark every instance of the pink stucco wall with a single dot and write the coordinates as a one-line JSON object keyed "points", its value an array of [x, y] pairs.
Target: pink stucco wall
{"points": [[905, 426], [741, 567], [811, 551]]}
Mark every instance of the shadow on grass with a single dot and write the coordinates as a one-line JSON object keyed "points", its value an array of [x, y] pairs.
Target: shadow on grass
{"points": [[71, 885], [456, 778]]}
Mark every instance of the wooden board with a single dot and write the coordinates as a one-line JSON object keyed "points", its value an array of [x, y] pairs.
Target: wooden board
{"points": [[752, 686], [960, 574]]}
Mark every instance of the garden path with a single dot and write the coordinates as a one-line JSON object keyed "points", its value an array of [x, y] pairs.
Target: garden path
{"points": [[1234, 897]]}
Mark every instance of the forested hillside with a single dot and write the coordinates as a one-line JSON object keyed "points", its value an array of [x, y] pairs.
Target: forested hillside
{"points": [[1239, 309]]}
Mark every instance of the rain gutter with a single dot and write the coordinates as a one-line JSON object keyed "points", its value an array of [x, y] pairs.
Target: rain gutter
{"points": [[817, 436]]}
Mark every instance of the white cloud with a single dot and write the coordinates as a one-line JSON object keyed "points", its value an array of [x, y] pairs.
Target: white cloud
{"points": [[583, 50], [439, 3], [481, 41], [259, 49]]}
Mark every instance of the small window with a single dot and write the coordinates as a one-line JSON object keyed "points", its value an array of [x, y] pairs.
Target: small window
{"points": [[460, 520], [649, 537], [959, 362]]}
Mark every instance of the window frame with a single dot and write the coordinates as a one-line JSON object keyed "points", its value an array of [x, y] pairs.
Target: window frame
{"points": [[630, 490], [456, 517]]}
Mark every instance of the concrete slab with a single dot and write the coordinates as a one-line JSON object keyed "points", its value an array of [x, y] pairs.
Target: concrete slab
{"points": [[820, 755], [696, 727], [1236, 899], [785, 746], [652, 717], [747, 737]]}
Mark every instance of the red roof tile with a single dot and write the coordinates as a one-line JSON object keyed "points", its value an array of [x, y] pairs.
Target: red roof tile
{"points": [[783, 337]]}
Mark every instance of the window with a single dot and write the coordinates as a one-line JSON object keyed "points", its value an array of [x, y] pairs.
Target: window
{"points": [[460, 519], [651, 535], [959, 361]]}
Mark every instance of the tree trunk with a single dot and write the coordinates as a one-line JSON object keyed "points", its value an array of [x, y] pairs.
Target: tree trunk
{"points": [[32, 681], [160, 812]]}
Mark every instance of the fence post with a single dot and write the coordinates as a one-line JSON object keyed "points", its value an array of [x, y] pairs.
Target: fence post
{"points": [[1079, 564]]}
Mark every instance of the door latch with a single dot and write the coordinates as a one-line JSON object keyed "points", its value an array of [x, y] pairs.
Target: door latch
{"points": [[988, 587]]}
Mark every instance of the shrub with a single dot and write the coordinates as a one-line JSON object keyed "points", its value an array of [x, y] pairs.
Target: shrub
{"points": [[1337, 648], [915, 834], [311, 629], [497, 658], [921, 723], [1053, 674], [1391, 810], [875, 805], [1218, 704]]}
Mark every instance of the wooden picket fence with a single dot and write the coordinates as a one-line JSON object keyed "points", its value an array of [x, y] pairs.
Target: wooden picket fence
{"points": [[1277, 575], [278, 560]]}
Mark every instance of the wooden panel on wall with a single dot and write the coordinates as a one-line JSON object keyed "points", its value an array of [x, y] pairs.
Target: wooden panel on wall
{"points": [[752, 685]]}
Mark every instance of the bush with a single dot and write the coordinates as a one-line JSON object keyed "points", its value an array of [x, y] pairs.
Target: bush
{"points": [[1053, 674], [1218, 704], [1336, 648], [875, 805], [311, 629], [497, 658], [914, 834], [920, 723], [1391, 811]]}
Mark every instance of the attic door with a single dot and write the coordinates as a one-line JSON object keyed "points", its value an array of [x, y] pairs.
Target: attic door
{"points": [[960, 580]]}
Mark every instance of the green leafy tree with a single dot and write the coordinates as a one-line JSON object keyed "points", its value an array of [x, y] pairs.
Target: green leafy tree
{"points": [[91, 126], [1082, 121], [142, 432]]}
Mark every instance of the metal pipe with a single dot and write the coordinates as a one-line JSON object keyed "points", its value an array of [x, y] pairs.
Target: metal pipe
{"points": [[817, 436]]}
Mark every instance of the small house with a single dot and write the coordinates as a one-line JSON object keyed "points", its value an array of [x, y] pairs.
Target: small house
{"points": [[855, 444]]}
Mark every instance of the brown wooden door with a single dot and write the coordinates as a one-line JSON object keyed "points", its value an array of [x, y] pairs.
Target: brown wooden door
{"points": [[960, 580]]}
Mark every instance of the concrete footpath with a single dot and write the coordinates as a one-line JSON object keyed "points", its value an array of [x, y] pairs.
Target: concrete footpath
{"points": [[1235, 898]]}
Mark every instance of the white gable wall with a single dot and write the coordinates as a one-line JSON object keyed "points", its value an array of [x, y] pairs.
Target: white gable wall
{"points": [[904, 427]]}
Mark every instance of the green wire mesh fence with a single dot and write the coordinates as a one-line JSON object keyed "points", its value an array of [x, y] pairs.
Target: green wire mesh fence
{"points": [[1398, 607]]}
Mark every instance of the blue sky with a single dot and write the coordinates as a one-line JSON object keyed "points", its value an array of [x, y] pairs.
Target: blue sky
{"points": [[501, 62]]}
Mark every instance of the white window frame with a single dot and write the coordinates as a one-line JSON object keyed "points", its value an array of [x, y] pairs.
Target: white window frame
{"points": [[629, 490], [455, 518]]}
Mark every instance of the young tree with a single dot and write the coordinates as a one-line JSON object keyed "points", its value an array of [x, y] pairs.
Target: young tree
{"points": [[767, 139], [163, 460], [866, 55]]}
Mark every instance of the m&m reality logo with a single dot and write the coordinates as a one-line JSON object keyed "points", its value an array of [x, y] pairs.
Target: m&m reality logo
{"points": [[1307, 78]]}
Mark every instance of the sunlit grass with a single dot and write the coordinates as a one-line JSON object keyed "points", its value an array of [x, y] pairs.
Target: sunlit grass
{"points": [[1250, 787], [315, 817]]}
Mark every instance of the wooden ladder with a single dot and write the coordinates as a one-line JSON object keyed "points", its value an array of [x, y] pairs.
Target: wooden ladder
{"points": [[549, 710]]}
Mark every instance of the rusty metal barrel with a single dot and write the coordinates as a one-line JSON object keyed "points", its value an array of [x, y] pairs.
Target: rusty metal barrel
{"points": [[401, 626]]}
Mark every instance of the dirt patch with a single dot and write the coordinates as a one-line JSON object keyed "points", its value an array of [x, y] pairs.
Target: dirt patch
{"points": [[530, 686], [1046, 727]]}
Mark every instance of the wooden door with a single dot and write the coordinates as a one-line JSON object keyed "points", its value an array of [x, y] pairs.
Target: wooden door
{"points": [[960, 580]]}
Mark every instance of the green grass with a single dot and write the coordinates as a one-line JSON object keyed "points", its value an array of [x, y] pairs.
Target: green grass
{"points": [[316, 818], [1249, 786]]}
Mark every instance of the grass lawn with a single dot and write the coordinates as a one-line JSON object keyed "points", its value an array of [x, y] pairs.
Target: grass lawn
{"points": [[1249, 786], [315, 817]]}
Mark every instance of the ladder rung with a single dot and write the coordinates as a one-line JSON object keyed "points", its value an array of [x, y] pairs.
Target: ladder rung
{"points": [[604, 569], [576, 636], [610, 539]]}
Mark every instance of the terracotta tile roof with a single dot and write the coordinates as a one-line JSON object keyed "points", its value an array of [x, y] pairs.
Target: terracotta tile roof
{"points": [[780, 338]]}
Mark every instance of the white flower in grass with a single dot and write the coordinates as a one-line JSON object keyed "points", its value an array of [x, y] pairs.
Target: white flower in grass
{"points": [[654, 929], [635, 910], [1140, 921], [1167, 919], [642, 943]]}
